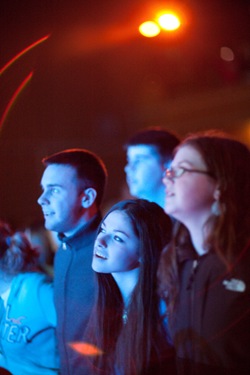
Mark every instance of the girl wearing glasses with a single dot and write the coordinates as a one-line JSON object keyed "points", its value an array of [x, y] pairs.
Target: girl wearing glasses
{"points": [[127, 327], [205, 270]]}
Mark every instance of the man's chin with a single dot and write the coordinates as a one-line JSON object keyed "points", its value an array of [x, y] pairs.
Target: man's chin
{"points": [[133, 192], [50, 226]]}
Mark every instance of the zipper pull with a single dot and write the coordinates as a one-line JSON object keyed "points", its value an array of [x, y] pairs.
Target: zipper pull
{"points": [[191, 278]]}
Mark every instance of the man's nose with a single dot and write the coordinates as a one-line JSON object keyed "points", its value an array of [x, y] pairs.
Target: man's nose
{"points": [[42, 199], [129, 167], [126, 168]]}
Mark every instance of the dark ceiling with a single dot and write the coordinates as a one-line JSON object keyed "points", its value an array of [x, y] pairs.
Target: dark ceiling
{"points": [[96, 80]]}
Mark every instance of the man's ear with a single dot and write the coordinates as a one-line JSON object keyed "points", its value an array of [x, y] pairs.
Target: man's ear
{"points": [[217, 193], [88, 197]]}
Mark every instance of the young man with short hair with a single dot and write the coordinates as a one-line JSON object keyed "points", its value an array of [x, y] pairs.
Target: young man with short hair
{"points": [[149, 153], [73, 185]]}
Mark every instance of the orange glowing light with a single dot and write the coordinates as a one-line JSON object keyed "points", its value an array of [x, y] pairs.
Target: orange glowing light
{"points": [[169, 21], [85, 348], [25, 50], [149, 29], [14, 98]]}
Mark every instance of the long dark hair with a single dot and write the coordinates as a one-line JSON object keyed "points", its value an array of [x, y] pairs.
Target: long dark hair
{"points": [[228, 233], [133, 345]]}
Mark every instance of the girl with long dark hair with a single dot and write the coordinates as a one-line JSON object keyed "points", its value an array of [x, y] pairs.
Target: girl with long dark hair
{"points": [[127, 326]]}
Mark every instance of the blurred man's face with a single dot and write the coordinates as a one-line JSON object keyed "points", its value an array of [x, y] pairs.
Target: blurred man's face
{"points": [[144, 171]]}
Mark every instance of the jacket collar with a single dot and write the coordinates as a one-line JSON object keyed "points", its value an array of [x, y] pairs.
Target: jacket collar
{"points": [[82, 234]]}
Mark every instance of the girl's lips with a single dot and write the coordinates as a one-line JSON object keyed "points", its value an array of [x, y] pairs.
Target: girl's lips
{"points": [[169, 194], [99, 254]]}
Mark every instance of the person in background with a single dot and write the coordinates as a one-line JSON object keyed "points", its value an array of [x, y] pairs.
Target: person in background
{"points": [[73, 185], [149, 153], [45, 242], [28, 319], [126, 325], [204, 271]]}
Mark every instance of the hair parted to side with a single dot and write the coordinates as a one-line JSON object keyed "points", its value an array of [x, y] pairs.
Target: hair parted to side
{"points": [[163, 140], [143, 333], [227, 234], [16, 252], [89, 167]]}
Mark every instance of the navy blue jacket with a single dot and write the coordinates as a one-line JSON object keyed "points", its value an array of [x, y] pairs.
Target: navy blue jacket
{"points": [[74, 288]]}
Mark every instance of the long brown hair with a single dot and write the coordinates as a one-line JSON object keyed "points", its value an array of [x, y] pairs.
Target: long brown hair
{"points": [[227, 234]]}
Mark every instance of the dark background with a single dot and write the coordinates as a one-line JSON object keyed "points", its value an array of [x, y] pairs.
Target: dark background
{"points": [[96, 80]]}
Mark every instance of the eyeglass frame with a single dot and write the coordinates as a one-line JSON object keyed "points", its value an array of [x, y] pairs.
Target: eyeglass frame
{"points": [[184, 170]]}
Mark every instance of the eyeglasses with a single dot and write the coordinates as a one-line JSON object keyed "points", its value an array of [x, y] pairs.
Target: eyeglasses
{"points": [[172, 173]]}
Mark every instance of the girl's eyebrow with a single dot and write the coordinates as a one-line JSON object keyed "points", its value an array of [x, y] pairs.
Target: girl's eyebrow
{"points": [[120, 231], [184, 161], [115, 230]]}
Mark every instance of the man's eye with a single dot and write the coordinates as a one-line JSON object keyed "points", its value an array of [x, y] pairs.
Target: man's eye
{"points": [[133, 163], [55, 190]]}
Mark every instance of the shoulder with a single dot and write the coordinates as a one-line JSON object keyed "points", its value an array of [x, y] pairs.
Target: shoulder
{"points": [[37, 278], [33, 283]]}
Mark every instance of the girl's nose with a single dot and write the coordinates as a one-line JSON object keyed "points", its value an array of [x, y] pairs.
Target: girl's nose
{"points": [[166, 180], [101, 240]]}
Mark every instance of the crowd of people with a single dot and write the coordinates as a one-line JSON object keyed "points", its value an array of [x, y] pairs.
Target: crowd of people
{"points": [[158, 285]]}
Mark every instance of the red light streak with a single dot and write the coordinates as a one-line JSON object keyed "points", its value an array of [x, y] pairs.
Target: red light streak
{"points": [[25, 50], [14, 97]]}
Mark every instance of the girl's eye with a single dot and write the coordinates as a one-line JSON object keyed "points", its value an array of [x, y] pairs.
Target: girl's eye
{"points": [[118, 239], [102, 230]]}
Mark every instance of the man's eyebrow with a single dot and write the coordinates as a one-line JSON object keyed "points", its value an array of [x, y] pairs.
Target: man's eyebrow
{"points": [[138, 156], [51, 185]]}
